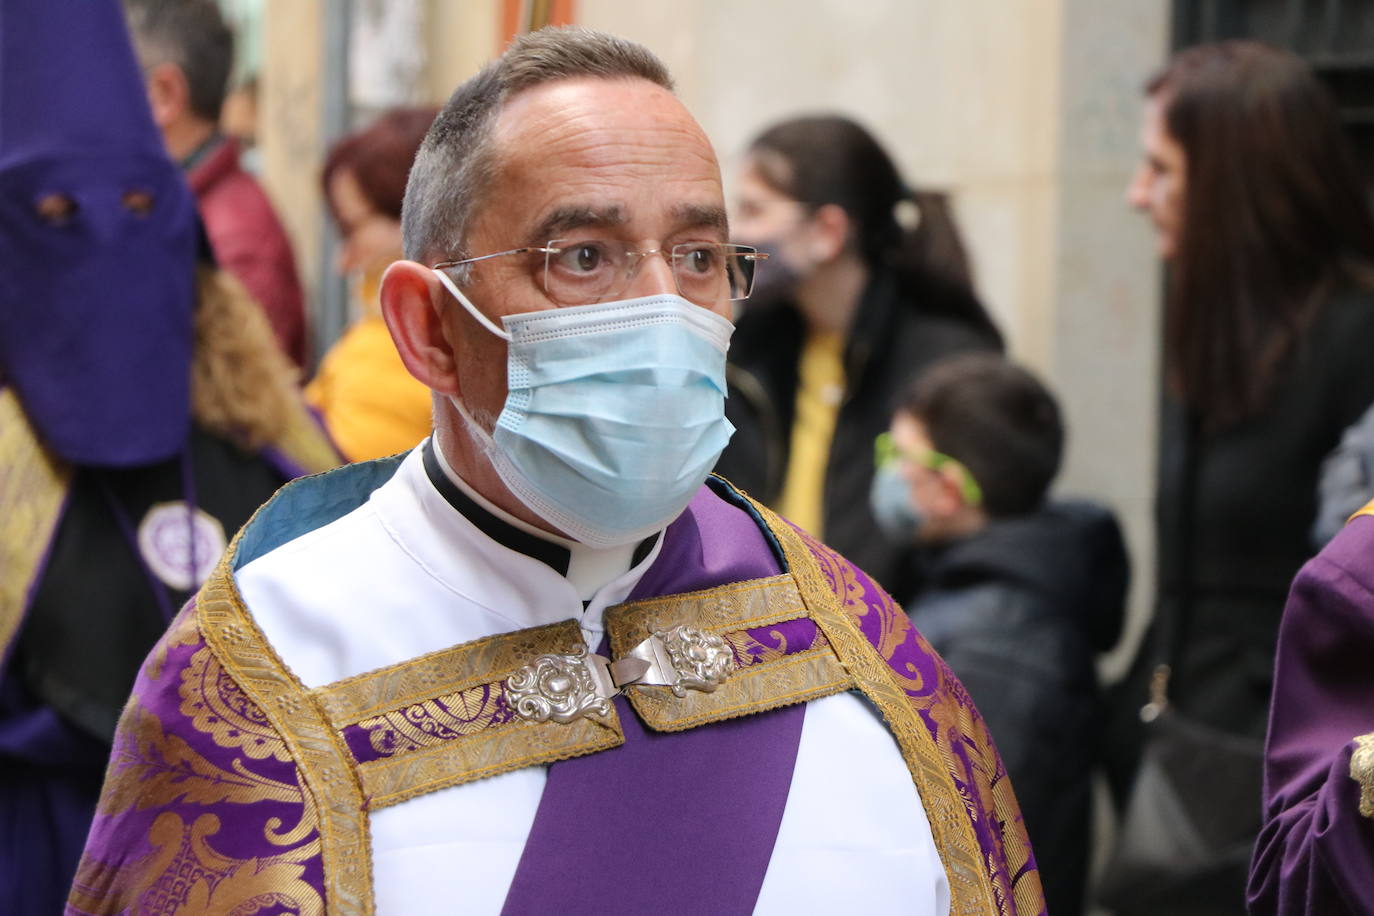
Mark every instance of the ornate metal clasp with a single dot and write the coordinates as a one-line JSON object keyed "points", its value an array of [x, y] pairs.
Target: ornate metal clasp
{"points": [[697, 659], [562, 688]]}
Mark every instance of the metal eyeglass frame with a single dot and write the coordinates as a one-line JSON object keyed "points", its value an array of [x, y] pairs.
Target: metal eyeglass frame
{"points": [[747, 253]]}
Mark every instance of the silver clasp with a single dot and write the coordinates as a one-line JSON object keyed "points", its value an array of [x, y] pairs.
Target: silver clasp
{"points": [[565, 687]]}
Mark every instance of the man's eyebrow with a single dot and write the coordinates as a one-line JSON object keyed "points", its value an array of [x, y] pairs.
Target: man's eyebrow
{"points": [[564, 219], [699, 216]]}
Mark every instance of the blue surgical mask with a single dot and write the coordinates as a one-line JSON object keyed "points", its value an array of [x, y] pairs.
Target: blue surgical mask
{"points": [[615, 412], [890, 499]]}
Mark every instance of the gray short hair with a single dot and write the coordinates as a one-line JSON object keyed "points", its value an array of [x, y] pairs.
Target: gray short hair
{"points": [[455, 164], [191, 34]]}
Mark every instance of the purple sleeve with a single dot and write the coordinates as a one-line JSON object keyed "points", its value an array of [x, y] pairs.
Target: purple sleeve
{"points": [[1315, 853]]}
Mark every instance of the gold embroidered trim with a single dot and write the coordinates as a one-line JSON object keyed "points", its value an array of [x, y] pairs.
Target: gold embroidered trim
{"points": [[324, 762], [442, 673], [727, 610], [1362, 771], [737, 606], [931, 765], [798, 678], [497, 749], [501, 749], [33, 485]]}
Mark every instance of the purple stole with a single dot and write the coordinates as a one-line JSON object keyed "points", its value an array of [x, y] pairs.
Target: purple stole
{"points": [[711, 774]]}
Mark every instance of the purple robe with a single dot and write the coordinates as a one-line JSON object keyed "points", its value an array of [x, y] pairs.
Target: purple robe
{"points": [[228, 789], [1315, 853]]}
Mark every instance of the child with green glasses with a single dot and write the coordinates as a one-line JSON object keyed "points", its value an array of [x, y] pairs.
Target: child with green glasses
{"points": [[1019, 593]]}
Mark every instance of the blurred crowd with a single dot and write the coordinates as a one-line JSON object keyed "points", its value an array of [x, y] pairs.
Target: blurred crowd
{"points": [[872, 402]]}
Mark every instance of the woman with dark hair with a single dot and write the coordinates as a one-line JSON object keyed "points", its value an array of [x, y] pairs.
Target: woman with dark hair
{"points": [[867, 284], [1263, 222], [370, 403]]}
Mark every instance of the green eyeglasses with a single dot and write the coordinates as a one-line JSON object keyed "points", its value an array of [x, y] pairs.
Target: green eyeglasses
{"points": [[886, 453]]}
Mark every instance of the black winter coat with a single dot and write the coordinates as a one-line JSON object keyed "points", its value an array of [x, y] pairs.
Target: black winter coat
{"points": [[1019, 611], [1226, 560], [894, 337]]}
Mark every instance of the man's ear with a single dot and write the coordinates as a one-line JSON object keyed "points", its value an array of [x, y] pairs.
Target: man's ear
{"points": [[829, 236], [169, 95], [411, 296]]}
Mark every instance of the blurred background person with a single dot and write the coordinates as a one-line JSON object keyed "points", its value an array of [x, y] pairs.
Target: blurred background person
{"points": [[145, 413], [1264, 224], [186, 52], [1347, 480], [1020, 593], [370, 404], [866, 285]]}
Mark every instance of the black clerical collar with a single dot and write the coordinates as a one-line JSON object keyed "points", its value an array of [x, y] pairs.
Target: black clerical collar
{"points": [[555, 556]]}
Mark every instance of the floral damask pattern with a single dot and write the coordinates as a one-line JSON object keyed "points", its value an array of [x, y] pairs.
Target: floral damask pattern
{"points": [[429, 723], [203, 810]]}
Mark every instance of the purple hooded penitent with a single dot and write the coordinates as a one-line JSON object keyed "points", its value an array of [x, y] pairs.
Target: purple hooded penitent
{"points": [[97, 240]]}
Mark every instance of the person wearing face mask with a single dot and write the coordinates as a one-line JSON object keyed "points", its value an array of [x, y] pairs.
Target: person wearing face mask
{"points": [[543, 662], [867, 284], [371, 406], [145, 412], [1021, 592], [1262, 218]]}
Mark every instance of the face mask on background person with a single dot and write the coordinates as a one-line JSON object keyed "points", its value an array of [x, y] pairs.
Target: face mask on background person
{"points": [[890, 499], [776, 280], [615, 412]]}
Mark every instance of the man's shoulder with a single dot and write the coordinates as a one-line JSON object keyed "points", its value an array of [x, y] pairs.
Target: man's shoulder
{"points": [[1349, 555], [201, 783]]}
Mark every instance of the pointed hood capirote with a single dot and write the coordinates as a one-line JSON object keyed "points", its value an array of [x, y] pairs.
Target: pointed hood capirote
{"points": [[97, 240]]}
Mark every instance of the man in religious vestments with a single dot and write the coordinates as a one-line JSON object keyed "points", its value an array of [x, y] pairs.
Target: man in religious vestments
{"points": [[1315, 853], [543, 662], [133, 424]]}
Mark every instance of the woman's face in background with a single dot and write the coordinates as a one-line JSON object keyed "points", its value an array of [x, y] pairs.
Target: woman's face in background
{"points": [[1160, 181], [775, 223], [370, 240]]}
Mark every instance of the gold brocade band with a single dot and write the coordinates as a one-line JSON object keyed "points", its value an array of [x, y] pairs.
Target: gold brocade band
{"points": [[728, 611], [33, 485], [325, 765], [438, 748], [931, 764], [1362, 771], [442, 673]]}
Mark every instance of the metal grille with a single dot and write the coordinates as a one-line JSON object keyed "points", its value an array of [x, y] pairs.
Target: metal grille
{"points": [[1335, 36]]}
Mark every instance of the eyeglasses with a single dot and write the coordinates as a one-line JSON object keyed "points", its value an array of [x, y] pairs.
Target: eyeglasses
{"points": [[886, 452], [584, 271]]}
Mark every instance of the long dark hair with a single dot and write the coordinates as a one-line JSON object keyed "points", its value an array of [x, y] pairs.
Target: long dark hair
{"points": [[829, 159], [1274, 216]]}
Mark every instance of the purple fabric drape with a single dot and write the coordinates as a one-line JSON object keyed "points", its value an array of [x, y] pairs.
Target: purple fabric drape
{"points": [[634, 829], [1315, 853]]}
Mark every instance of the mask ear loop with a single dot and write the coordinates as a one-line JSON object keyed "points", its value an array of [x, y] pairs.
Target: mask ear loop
{"points": [[483, 320]]}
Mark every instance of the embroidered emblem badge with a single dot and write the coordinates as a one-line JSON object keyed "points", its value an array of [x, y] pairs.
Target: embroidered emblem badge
{"points": [[180, 545]]}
